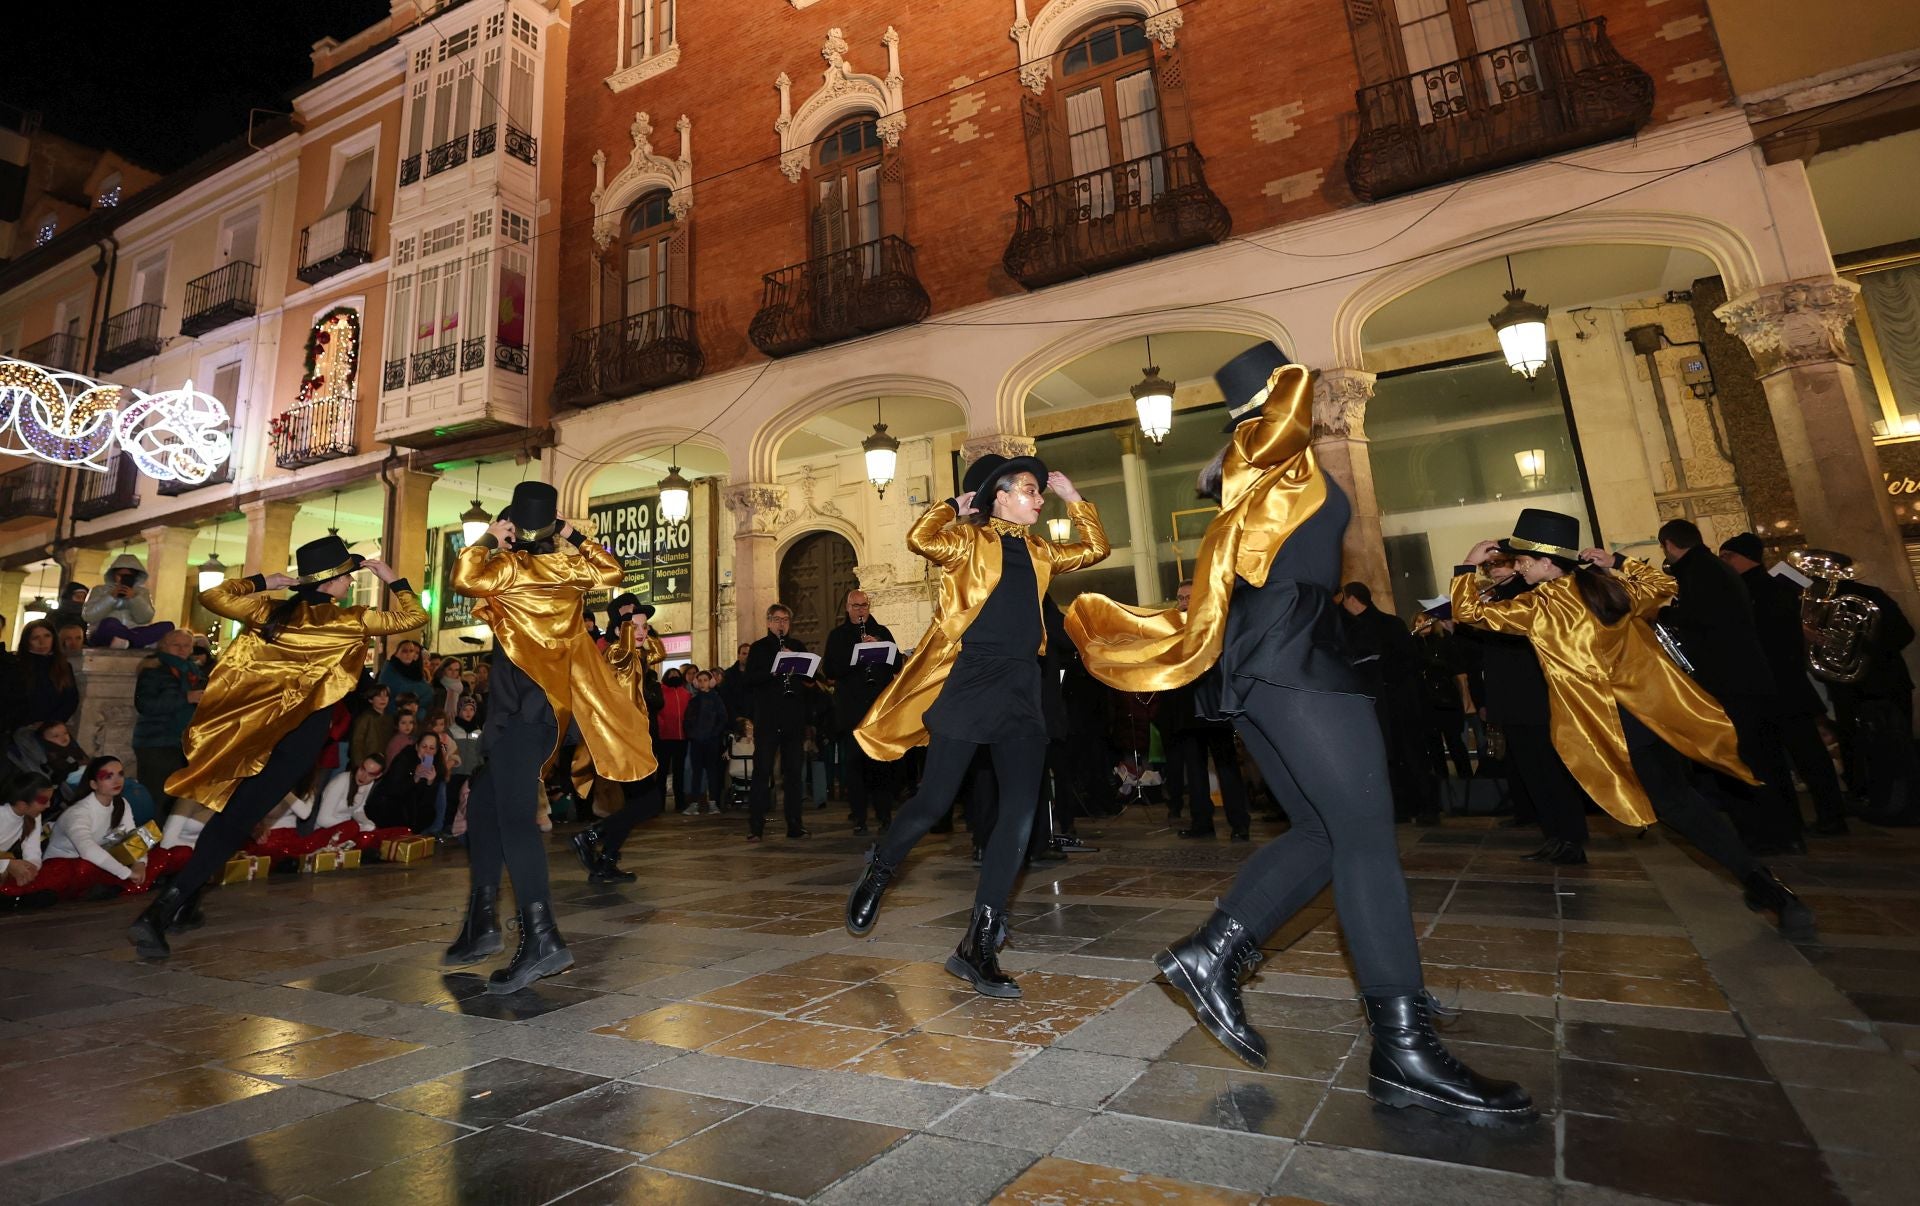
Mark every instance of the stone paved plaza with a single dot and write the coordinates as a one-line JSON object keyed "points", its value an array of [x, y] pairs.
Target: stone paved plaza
{"points": [[723, 1040]]}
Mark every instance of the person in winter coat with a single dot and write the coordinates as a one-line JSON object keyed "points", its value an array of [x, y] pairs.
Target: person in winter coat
{"points": [[164, 696], [47, 749], [706, 729], [52, 695], [671, 751], [404, 675], [121, 608]]}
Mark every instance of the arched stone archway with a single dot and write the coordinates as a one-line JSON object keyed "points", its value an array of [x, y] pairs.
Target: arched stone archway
{"points": [[574, 471], [764, 450]]}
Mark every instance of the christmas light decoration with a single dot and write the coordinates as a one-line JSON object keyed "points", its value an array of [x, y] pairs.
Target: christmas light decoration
{"points": [[66, 419]]}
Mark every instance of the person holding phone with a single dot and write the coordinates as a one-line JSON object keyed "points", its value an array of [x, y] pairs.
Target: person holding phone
{"points": [[267, 712]]}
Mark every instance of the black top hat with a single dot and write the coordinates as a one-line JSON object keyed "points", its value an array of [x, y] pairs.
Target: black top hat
{"points": [[985, 475], [1243, 380], [1541, 533], [621, 603], [327, 557], [533, 510]]}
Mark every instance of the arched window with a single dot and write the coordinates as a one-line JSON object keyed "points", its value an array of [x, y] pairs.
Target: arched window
{"points": [[847, 205], [1111, 112], [646, 253]]}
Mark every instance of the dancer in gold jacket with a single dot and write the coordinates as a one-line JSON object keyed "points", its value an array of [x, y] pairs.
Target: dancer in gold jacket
{"points": [[631, 652], [264, 720], [1625, 719], [547, 674], [973, 683], [1263, 611]]}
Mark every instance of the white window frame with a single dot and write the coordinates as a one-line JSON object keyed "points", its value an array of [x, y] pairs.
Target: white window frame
{"points": [[232, 220], [135, 292], [344, 150]]}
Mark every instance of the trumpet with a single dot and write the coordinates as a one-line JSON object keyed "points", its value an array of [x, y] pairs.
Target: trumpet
{"points": [[1842, 627]]}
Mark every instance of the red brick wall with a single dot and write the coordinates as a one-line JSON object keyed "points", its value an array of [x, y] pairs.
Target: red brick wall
{"points": [[1270, 85]]}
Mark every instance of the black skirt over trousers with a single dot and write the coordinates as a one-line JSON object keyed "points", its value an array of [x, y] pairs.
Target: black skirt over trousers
{"points": [[502, 825], [232, 827]]}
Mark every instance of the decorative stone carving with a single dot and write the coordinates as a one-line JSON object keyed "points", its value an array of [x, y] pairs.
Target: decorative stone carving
{"points": [[106, 679], [645, 69], [645, 170], [843, 91], [1041, 38], [1793, 324], [1340, 404], [877, 576], [811, 507], [756, 508], [1001, 444]]}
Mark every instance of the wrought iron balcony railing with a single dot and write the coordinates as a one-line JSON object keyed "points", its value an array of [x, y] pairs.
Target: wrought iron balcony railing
{"points": [[1132, 211], [484, 139], [310, 432], [33, 491], [60, 351], [630, 355], [522, 145], [435, 363], [866, 288], [410, 170], [218, 298], [510, 356], [118, 489], [220, 477], [394, 374], [132, 334], [336, 243], [1539, 96]]}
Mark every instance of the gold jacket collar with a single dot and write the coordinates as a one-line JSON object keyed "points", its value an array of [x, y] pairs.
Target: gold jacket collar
{"points": [[1006, 527]]}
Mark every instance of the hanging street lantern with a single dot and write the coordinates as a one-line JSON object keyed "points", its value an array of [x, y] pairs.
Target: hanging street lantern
{"points": [[1532, 463], [676, 493], [1059, 530], [474, 521], [882, 452], [212, 573], [1522, 328], [1153, 400]]}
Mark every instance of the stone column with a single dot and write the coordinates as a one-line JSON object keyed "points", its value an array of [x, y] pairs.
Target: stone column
{"points": [[82, 565], [1133, 480], [269, 535], [404, 544], [1340, 445], [756, 507], [12, 582], [169, 575], [106, 679], [1796, 332]]}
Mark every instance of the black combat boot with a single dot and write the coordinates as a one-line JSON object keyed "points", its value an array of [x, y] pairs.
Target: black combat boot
{"points": [[148, 933], [606, 871], [976, 960], [1547, 852], [480, 936], [1410, 1067], [1207, 967], [863, 903], [190, 917], [1766, 894], [586, 847], [1570, 854], [541, 953]]}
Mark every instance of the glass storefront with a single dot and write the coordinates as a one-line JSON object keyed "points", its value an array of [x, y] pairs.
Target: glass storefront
{"points": [[1458, 449]]}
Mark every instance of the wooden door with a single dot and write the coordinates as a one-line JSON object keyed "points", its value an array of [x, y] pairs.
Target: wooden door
{"points": [[815, 576]]}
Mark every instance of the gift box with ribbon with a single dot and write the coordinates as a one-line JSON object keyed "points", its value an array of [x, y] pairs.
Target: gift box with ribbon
{"points": [[407, 849], [243, 867], [132, 846], [330, 859]]}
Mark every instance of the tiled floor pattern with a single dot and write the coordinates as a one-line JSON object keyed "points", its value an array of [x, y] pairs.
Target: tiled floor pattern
{"points": [[722, 1040]]}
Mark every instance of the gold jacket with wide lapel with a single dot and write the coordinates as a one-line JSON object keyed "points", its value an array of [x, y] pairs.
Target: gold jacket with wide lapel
{"points": [[259, 692], [628, 660], [532, 603], [1594, 669], [970, 555], [1269, 486]]}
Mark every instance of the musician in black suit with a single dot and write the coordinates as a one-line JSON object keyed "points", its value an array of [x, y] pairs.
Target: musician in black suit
{"points": [[1776, 618], [778, 704], [854, 690], [1713, 619]]}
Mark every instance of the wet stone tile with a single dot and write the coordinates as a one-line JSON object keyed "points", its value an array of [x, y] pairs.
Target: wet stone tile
{"points": [[315, 1151], [798, 1044], [503, 1164], [1018, 1021], [780, 1151], [642, 1186], [1679, 1051], [1056, 1182], [1747, 1109], [1234, 1100], [942, 1059], [165, 1185], [689, 1027], [638, 1118], [534, 1001], [1350, 1119], [491, 1092], [880, 1006], [320, 1057], [1668, 1163], [771, 993]]}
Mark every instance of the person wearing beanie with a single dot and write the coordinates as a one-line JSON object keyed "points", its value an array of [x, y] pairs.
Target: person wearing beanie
{"points": [[527, 576], [973, 684], [1263, 610], [267, 712]]}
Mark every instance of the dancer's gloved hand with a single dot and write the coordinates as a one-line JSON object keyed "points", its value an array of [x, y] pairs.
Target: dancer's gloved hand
{"points": [[1063, 486], [963, 503]]}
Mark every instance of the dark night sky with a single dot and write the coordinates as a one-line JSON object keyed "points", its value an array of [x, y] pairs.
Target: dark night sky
{"points": [[164, 80]]}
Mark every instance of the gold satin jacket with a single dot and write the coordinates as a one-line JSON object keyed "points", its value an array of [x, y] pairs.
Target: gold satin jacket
{"points": [[1594, 669], [259, 692], [970, 555], [629, 661], [1269, 486], [532, 603]]}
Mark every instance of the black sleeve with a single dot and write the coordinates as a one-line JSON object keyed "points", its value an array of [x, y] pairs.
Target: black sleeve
{"points": [[1896, 633], [578, 538], [259, 581], [759, 671], [839, 652], [400, 584]]}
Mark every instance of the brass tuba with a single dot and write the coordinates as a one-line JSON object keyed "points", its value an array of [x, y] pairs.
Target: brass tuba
{"points": [[1840, 627]]}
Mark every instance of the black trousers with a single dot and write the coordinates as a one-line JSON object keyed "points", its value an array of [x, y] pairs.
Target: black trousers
{"points": [[157, 764], [1190, 748], [643, 800], [671, 752], [1324, 756], [1880, 758], [869, 782], [1769, 813], [232, 827], [1800, 735], [983, 814], [1446, 741], [502, 826], [1559, 802], [785, 736], [1017, 766], [1678, 802]]}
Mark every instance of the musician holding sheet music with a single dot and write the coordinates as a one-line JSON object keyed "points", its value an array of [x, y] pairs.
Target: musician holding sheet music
{"points": [[778, 705], [861, 659]]}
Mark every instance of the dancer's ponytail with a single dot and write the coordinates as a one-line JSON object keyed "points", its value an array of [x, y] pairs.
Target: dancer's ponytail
{"points": [[1603, 594]]}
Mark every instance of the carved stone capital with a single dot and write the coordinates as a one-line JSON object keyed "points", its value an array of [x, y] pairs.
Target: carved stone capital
{"points": [[877, 576], [998, 443], [756, 507], [1792, 324], [1164, 28], [1340, 404]]}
